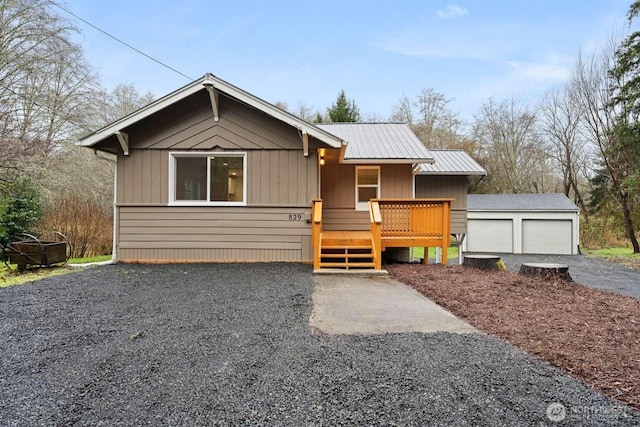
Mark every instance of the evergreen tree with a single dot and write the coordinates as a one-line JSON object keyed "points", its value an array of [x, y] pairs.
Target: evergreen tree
{"points": [[344, 110], [20, 209], [622, 158]]}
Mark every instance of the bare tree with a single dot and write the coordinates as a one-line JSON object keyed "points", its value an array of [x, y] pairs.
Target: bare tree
{"points": [[592, 82], [403, 111], [560, 125], [108, 107], [44, 83], [430, 118], [511, 149]]}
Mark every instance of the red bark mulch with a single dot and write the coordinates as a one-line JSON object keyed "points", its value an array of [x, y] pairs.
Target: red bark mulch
{"points": [[588, 333]]}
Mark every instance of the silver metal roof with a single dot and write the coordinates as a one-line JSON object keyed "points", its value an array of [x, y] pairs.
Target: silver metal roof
{"points": [[520, 202], [390, 142], [451, 162]]}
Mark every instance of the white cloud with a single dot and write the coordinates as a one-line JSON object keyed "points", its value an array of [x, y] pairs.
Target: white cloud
{"points": [[551, 70], [452, 11]]}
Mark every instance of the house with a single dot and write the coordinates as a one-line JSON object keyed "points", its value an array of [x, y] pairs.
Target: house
{"points": [[544, 223], [212, 173]]}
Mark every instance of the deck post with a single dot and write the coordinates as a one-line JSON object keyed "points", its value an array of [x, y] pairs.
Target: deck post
{"points": [[446, 229], [316, 231], [376, 232]]}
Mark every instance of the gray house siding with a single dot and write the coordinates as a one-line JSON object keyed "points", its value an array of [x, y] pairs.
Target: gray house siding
{"points": [[440, 186], [281, 182]]}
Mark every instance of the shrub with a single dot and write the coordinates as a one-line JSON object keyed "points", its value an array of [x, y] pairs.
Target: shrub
{"points": [[20, 208], [86, 222]]}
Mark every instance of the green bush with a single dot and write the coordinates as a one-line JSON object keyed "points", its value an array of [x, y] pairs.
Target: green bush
{"points": [[20, 208]]}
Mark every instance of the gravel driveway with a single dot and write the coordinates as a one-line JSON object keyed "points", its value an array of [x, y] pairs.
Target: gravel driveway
{"points": [[230, 344], [593, 272]]}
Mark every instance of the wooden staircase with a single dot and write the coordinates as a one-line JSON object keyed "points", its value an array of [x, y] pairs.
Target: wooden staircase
{"points": [[393, 223], [346, 250]]}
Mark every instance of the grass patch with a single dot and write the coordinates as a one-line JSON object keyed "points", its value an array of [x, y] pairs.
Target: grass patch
{"points": [[608, 252], [10, 277], [452, 252], [85, 260], [619, 254]]}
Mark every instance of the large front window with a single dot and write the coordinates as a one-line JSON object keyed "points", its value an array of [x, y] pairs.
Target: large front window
{"points": [[367, 185], [217, 179]]}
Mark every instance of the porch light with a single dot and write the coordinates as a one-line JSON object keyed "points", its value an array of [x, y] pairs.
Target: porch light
{"points": [[321, 161]]}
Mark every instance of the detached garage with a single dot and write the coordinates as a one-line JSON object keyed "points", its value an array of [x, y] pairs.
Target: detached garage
{"points": [[522, 224]]}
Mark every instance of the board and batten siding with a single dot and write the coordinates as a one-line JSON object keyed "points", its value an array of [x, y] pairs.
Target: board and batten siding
{"points": [[438, 186], [274, 177], [339, 193], [281, 182], [189, 125]]}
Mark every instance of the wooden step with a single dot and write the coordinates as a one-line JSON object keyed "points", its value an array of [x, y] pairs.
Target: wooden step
{"points": [[347, 247], [345, 242], [347, 265], [347, 250], [349, 255]]}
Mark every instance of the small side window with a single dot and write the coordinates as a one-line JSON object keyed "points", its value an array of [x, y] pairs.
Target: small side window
{"points": [[367, 185]]}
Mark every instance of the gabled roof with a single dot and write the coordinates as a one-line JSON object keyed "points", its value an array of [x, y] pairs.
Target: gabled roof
{"points": [[520, 202], [451, 162], [379, 142], [222, 87]]}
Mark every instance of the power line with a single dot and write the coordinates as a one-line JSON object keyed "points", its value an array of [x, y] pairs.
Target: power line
{"points": [[121, 41]]}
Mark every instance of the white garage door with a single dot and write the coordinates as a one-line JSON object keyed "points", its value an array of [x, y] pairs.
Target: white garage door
{"points": [[546, 237], [490, 235]]}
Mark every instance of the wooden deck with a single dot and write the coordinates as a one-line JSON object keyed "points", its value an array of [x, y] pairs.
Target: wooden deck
{"points": [[394, 223]]}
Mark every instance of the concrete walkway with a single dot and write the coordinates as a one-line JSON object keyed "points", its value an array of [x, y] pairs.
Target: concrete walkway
{"points": [[355, 305]]}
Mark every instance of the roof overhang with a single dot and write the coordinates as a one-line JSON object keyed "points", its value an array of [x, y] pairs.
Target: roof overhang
{"points": [[572, 211], [210, 83], [458, 173], [386, 161]]}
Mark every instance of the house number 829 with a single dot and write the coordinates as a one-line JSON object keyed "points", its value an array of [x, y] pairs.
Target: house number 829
{"points": [[296, 217]]}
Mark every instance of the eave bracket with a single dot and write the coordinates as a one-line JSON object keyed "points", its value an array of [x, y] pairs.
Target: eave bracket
{"points": [[305, 143], [213, 95], [123, 138]]}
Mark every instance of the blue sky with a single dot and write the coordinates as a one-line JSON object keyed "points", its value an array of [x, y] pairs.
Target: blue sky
{"points": [[376, 50]]}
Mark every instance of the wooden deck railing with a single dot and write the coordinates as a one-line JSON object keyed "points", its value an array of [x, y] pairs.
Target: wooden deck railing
{"points": [[316, 231], [415, 222]]}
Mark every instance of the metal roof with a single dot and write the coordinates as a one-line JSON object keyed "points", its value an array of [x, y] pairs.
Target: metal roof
{"points": [[223, 87], [520, 202], [380, 142], [451, 162]]}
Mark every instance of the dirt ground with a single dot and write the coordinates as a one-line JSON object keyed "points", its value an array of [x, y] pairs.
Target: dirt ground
{"points": [[588, 333]]}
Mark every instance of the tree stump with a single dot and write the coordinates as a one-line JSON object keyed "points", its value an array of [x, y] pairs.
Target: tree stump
{"points": [[546, 270], [482, 262]]}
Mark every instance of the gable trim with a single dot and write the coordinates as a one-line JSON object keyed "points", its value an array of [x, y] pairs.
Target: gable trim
{"points": [[211, 83]]}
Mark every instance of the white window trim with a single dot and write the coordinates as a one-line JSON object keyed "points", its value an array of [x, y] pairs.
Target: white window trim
{"points": [[208, 155], [364, 206]]}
